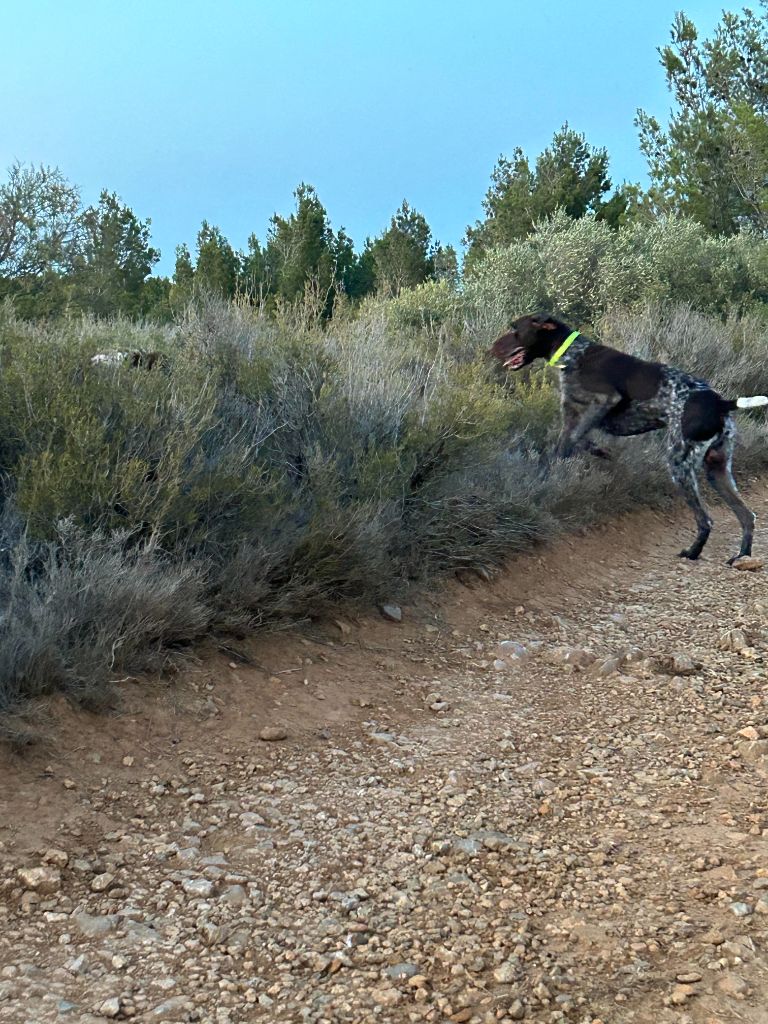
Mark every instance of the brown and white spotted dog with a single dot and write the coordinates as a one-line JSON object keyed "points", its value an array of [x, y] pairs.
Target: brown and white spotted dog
{"points": [[621, 395], [143, 360]]}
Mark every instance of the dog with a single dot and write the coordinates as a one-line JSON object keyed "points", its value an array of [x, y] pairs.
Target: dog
{"points": [[144, 360], [621, 395]]}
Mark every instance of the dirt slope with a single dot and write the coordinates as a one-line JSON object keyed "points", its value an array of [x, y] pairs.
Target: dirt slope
{"points": [[439, 837]]}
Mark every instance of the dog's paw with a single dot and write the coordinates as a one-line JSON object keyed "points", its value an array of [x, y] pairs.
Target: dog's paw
{"points": [[598, 452], [690, 553]]}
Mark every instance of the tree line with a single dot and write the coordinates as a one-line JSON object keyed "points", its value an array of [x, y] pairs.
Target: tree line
{"points": [[709, 163]]}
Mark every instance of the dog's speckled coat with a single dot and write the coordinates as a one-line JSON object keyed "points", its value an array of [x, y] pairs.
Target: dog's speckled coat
{"points": [[604, 389]]}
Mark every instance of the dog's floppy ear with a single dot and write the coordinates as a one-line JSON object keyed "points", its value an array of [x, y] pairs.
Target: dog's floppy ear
{"points": [[545, 323]]}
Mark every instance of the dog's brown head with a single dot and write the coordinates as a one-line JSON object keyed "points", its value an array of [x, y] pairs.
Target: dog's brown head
{"points": [[531, 337], [147, 360]]}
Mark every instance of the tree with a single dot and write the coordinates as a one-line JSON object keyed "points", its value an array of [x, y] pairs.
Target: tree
{"points": [[184, 272], [710, 162], [360, 279], [218, 265], [183, 281], [39, 230], [156, 300], [570, 175], [255, 281], [446, 265], [303, 255], [115, 259], [39, 212], [301, 248], [346, 264], [403, 256]]}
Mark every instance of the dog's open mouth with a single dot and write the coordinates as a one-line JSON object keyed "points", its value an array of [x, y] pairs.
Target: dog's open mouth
{"points": [[516, 360]]}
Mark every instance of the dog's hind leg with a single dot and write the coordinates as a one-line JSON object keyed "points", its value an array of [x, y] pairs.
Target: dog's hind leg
{"points": [[684, 462], [718, 463]]}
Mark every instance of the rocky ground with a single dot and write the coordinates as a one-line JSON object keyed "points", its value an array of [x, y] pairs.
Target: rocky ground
{"points": [[539, 799]]}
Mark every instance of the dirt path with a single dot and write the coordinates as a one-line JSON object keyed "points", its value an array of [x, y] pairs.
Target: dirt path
{"points": [[440, 837]]}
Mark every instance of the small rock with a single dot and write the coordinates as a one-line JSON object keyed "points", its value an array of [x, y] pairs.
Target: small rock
{"points": [[507, 972], [681, 994], [689, 978], [404, 970], [44, 881], [609, 666], [577, 656], [748, 563], [740, 909], [172, 1009], [734, 640], [516, 1010], [29, 902], [393, 612], [385, 996], [102, 882], [250, 819], [79, 965], [383, 737], [753, 750], [94, 926], [58, 858], [749, 733], [542, 787], [189, 854], [470, 847], [110, 1007], [513, 651], [678, 665], [235, 895], [201, 887], [272, 733], [733, 985]]}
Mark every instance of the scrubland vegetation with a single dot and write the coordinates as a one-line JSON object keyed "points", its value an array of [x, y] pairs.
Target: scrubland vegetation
{"points": [[328, 427]]}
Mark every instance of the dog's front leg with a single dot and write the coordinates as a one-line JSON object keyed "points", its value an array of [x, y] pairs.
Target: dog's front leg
{"points": [[579, 418]]}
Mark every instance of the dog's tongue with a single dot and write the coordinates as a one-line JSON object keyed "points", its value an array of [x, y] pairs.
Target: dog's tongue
{"points": [[516, 360]]}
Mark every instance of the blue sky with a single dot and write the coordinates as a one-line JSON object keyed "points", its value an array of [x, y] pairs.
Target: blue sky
{"points": [[217, 110]]}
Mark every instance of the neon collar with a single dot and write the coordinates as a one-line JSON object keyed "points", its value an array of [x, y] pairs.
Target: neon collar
{"points": [[564, 347]]}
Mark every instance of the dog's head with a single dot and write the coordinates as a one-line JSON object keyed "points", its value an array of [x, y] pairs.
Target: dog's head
{"points": [[531, 337], [147, 360]]}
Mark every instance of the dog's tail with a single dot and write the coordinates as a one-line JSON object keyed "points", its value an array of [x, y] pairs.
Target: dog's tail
{"points": [[751, 403]]}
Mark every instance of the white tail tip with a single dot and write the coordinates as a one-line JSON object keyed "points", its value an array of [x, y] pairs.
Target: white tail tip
{"points": [[752, 403]]}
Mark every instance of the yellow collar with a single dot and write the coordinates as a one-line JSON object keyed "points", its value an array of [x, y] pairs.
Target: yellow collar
{"points": [[564, 347]]}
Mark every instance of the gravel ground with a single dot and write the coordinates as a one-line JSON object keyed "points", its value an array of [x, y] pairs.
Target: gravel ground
{"points": [[550, 807]]}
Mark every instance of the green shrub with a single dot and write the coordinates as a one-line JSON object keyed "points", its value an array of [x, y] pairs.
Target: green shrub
{"points": [[581, 269]]}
